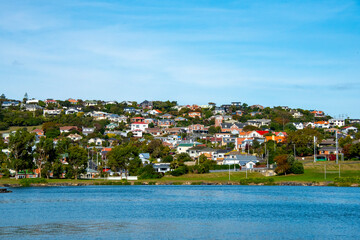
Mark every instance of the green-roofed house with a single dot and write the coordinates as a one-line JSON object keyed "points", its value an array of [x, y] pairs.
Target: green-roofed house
{"points": [[183, 147]]}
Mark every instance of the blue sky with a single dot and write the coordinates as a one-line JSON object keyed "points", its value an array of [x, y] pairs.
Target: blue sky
{"points": [[303, 54]]}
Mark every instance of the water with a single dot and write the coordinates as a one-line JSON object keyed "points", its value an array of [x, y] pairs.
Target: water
{"points": [[180, 212]]}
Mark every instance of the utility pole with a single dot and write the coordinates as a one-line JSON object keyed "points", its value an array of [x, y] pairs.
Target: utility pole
{"points": [[229, 172], [294, 152], [325, 170], [337, 149], [314, 149]]}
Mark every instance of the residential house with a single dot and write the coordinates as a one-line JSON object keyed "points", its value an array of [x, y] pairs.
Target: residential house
{"points": [[71, 111], [298, 125], [346, 130], [72, 101], [137, 119], [256, 106], [32, 101], [322, 124], [253, 114], [116, 118], [226, 107], [278, 139], [155, 112], [146, 104], [195, 114], [7, 104], [354, 121], [174, 130], [112, 126], [240, 159], [166, 122], [137, 133], [139, 126], [50, 101], [129, 110], [154, 131], [219, 110], [258, 122], [150, 120], [162, 167], [53, 112], [236, 104], [145, 158], [336, 122], [96, 141], [32, 107], [180, 119], [297, 114], [184, 146], [197, 128], [230, 127], [67, 129], [88, 130], [318, 113], [90, 103], [222, 135], [75, 137], [196, 151], [167, 116], [239, 113]]}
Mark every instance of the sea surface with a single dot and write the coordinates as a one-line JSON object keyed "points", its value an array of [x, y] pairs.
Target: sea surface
{"points": [[180, 212]]}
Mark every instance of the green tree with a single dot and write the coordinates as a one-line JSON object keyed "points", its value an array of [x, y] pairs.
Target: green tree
{"points": [[44, 153], [119, 157], [77, 159], [20, 146]]}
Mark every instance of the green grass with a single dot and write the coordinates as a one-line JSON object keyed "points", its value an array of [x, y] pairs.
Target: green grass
{"points": [[314, 172], [14, 128]]}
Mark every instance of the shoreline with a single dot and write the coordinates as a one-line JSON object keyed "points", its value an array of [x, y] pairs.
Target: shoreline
{"points": [[186, 183]]}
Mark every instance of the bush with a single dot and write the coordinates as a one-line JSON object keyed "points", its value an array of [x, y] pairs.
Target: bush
{"points": [[26, 182], [180, 171], [297, 168], [148, 172], [266, 181]]}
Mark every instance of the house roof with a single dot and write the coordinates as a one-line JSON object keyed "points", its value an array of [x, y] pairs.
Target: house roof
{"points": [[262, 132]]}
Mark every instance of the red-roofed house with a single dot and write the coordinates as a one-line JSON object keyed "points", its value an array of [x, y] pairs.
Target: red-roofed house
{"points": [[38, 132], [137, 119], [72, 101]]}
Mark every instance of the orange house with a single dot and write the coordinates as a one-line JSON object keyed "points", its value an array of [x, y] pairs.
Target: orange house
{"points": [[278, 139], [195, 114]]}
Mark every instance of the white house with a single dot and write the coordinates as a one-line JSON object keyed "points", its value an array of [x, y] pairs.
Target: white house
{"points": [[346, 130], [75, 137], [139, 126], [162, 167], [97, 141], [337, 122], [71, 111], [299, 125], [52, 112]]}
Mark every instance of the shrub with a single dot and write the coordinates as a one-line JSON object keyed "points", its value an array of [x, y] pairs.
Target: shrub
{"points": [[26, 182], [297, 168], [148, 172], [180, 171]]}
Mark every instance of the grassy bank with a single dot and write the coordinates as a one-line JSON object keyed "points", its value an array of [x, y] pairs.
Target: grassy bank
{"points": [[314, 172], [14, 128]]}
